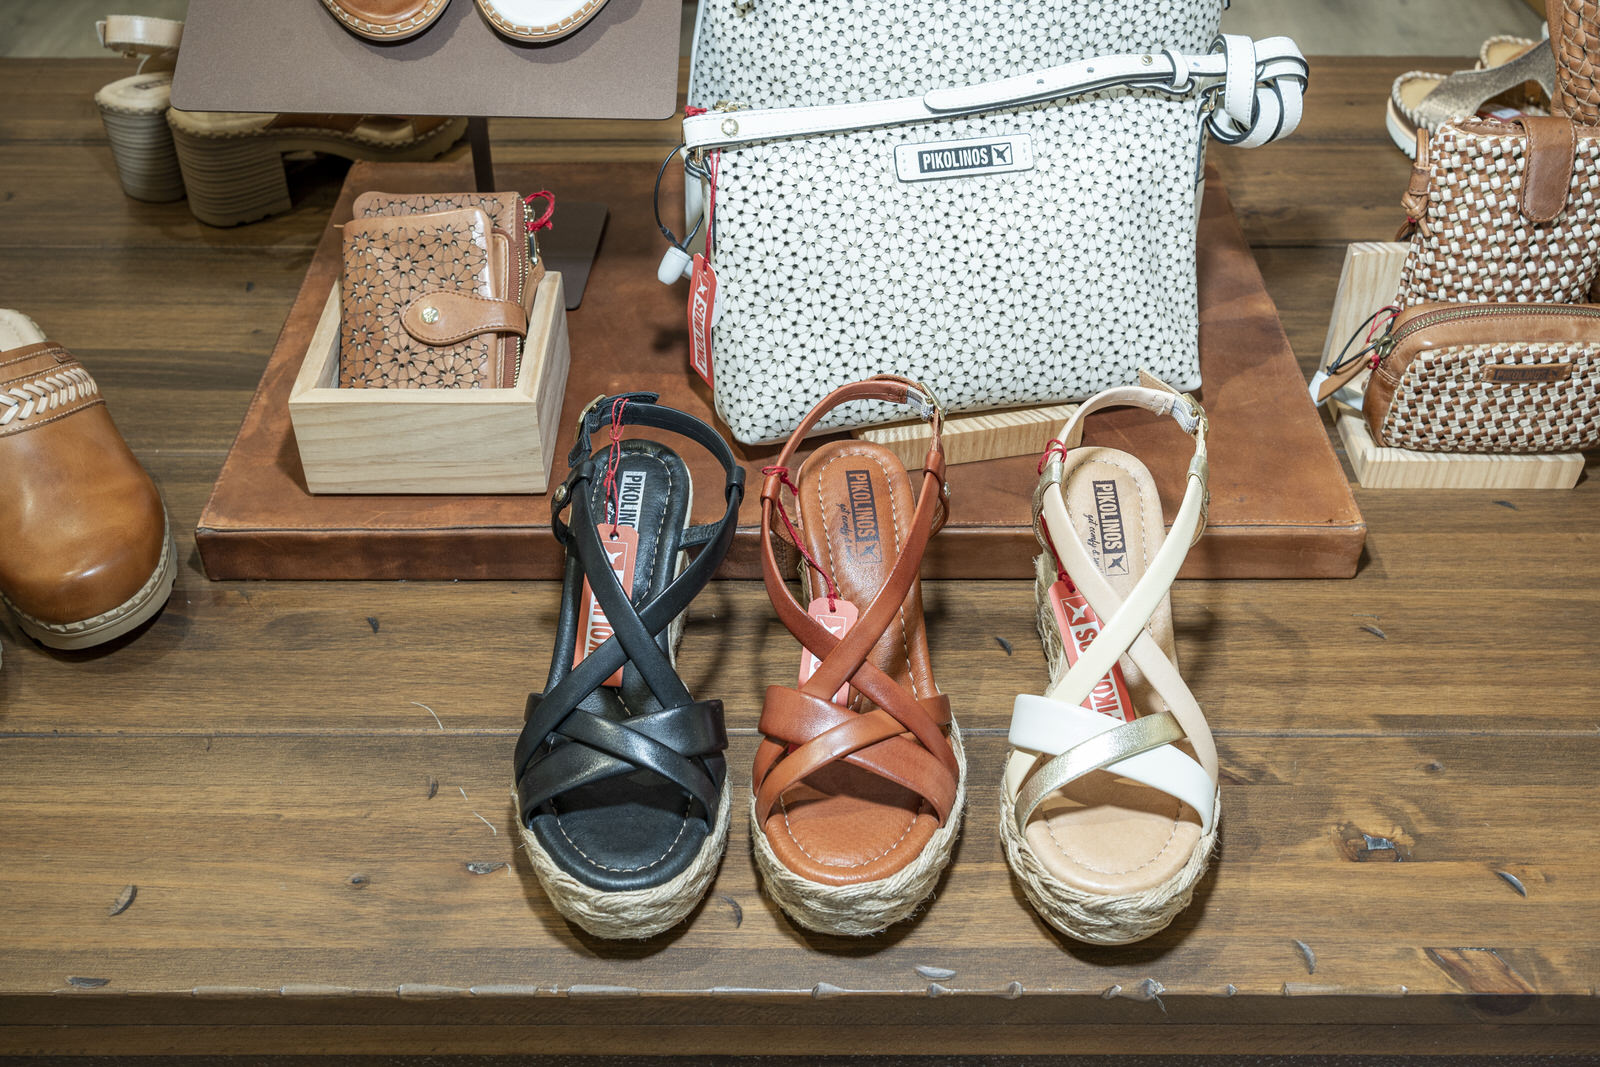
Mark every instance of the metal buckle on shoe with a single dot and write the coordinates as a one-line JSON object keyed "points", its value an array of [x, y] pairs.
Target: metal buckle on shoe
{"points": [[930, 404], [590, 406]]}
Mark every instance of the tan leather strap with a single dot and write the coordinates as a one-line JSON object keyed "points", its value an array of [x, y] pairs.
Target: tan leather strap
{"points": [[1547, 165], [805, 731], [446, 318]]}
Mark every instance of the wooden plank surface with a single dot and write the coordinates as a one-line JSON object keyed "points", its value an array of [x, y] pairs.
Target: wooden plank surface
{"points": [[1397, 749]]}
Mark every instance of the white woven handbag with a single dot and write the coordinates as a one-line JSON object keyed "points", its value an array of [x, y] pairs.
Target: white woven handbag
{"points": [[1018, 241]]}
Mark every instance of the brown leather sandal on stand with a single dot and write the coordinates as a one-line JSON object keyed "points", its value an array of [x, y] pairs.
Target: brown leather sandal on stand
{"points": [[860, 779]]}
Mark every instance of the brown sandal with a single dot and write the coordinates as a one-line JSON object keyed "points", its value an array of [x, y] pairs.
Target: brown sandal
{"points": [[858, 788]]}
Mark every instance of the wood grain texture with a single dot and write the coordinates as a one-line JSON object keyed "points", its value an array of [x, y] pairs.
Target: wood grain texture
{"points": [[969, 438], [259, 763]]}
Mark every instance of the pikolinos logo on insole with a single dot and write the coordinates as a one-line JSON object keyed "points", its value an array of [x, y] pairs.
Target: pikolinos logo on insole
{"points": [[863, 525], [1112, 540]]}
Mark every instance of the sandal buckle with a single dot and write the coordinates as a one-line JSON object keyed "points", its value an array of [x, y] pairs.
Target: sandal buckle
{"points": [[590, 406]]}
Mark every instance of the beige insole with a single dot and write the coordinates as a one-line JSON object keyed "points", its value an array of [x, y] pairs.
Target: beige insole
{"points": [[1101, 833], [17, 330]]}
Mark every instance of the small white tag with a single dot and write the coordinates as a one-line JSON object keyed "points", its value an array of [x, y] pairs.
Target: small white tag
{"points": [[933, 160]]}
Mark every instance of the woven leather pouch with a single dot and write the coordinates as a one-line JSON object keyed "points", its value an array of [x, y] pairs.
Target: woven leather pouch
{"points": [[419, 309], [1488, 378], [1575, 38], [1503, 211]]}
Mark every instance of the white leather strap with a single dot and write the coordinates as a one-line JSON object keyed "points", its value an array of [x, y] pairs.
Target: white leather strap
{"points": [[1248, 113], [1039, 724]]}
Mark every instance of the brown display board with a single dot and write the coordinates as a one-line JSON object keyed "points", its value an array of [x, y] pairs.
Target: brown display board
{"points": [[281, 56], [1281, 505]]}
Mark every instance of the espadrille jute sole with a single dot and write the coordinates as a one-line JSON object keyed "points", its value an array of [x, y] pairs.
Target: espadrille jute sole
{"points": [[869, 907], [1102, 919], [638, 913], [234, 176]]}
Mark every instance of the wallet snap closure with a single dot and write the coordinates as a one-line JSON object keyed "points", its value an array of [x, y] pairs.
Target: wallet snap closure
{"points": [[447, 318]]}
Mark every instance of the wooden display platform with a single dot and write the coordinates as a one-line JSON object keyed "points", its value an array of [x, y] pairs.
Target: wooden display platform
{"points": [[1281, 505], [292, 844], [1368, 281]]}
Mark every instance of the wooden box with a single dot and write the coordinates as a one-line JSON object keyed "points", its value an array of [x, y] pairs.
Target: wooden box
{"points": [[433, 440]]}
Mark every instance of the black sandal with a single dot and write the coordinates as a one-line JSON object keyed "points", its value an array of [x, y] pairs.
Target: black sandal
{"points": [[621, 781]]}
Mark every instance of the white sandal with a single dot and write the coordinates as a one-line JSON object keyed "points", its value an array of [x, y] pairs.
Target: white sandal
{"points": [[134, 109], [1109, 805]]}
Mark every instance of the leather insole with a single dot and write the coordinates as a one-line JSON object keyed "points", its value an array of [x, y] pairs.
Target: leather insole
{"points": [[844, 825], [1105, 834], [636, 830]]}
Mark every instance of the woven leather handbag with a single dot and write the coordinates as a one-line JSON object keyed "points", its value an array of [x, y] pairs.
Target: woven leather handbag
{"points": [[1493, 378], [1015, 241], [1503, 211]]}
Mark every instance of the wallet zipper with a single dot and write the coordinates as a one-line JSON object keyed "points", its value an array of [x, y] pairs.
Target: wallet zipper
{"points": [[1383, 349], [522, 279]]}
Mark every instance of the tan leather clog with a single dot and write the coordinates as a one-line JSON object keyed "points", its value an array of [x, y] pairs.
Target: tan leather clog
{"points": [[85, 551]]}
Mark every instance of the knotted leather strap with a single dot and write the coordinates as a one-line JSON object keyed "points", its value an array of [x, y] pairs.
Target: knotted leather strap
{"points": [[804, 730], [1057, 724], [670, 742]]}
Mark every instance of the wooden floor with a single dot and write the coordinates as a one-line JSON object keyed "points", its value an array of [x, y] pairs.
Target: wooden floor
{"points": [[303, 789]]}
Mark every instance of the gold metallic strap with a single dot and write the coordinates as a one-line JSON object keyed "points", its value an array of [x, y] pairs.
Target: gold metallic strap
{"points": [[1096, 754]]}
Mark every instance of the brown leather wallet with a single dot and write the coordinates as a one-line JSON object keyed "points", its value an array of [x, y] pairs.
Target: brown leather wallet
{"points": [[513, 247], [419, 305]]}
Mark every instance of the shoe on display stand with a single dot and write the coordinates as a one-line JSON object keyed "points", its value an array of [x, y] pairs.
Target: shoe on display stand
{"points": [[88, 553], [386, 20], [860, 781], [539, 21], [621, 781], [1514, 76], [1109, 804], [134, 109]]}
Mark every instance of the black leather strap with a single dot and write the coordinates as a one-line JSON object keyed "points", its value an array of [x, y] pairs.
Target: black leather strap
{"points": [[561, 746]]}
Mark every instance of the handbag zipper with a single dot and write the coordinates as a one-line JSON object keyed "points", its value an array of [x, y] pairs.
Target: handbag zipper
{"points": [[1433, 318], [522, 280]]}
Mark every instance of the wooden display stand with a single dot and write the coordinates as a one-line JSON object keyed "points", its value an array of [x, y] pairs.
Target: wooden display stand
{"points": [[1369, 280], [972, 438], [433, 440]]}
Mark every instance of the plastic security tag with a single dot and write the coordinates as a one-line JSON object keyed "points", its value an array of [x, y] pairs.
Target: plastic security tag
{"points": [[837, 621], [702, 305], [621, 544], [1079, 626]]}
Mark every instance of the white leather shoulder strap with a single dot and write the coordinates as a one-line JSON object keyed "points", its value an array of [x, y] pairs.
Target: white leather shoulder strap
{"points": [[1260, 85]]}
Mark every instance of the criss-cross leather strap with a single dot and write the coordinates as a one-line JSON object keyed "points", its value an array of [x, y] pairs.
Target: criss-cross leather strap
{"points": [[1081, 740], [902, 740], [672, 742]]}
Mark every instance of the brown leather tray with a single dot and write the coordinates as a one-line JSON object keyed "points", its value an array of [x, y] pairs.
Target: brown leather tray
{"points": [[1281, 506]]}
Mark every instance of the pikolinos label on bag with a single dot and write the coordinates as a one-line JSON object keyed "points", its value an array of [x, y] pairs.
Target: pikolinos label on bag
{"points": [[1513, 373], [1079, 626], [932, 160], [622, 552], [702, 304]]}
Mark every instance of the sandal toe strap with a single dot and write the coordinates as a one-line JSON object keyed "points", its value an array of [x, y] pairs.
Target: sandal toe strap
{"points": [[667, 743], [805, 734], [1082, 741]]}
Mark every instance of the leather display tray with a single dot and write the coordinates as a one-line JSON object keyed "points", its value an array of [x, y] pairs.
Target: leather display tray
{"points": [[1281, 506]]}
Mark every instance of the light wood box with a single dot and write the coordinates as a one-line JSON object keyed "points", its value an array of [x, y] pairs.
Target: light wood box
{"points": [[1369, 280], [455, 441]]}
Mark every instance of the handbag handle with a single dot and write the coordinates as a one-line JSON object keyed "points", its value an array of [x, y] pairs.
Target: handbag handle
{"points": [[1261, 85]]}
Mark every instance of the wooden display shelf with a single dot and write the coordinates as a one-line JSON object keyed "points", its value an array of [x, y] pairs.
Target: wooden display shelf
{"points": [[1368, 281], [1281, 504]]}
